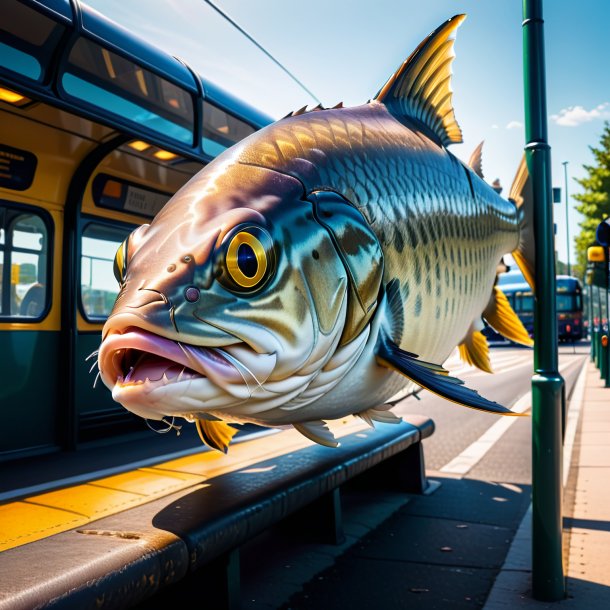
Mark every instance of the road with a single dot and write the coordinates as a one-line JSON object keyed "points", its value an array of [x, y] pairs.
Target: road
{"points": [[483, 463], [457, 427]]}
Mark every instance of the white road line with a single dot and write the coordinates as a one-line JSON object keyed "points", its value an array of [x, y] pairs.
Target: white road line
{"points": [[473, 454], [496, 364]]}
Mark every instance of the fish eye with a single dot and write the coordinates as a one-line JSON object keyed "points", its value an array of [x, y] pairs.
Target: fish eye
{"points": [[120, 263], [248, 258]]}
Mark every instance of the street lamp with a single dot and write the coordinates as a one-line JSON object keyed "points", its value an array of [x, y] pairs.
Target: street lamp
{"points": [[565, 171]]}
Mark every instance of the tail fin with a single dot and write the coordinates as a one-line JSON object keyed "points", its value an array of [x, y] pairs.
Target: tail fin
{"points": [[521, 194]]}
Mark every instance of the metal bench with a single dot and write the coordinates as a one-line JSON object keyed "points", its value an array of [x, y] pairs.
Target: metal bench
{"points": [[121, 560]]}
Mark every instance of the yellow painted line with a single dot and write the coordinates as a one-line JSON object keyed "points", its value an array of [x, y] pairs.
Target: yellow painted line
{"points": [[21, 523], [53, 512]]}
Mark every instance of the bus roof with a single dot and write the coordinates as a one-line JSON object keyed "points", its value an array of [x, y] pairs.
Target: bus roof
{"points": [[67, 54]]}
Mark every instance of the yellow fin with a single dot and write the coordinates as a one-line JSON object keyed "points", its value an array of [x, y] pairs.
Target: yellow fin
{"points": [[475, 350], [500, 315], [522, 195], [215, 434], [421, 87]]}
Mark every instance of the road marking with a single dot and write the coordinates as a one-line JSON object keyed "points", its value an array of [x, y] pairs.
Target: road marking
{"points": [[473, 454], [496, 363]]}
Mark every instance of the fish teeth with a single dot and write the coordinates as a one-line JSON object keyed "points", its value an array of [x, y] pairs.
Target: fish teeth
{"points": [[165, 379]]}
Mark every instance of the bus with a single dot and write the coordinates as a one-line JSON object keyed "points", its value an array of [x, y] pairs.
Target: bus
{"points": [[569, 303], [97, 130]]}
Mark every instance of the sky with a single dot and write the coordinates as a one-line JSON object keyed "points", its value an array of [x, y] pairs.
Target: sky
{"points": [[345, 50]]}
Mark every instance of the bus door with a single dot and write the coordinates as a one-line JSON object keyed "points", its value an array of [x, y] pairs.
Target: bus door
{"points": [[35, 174], [127, 189]]}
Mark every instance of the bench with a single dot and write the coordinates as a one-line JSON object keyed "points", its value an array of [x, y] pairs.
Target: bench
{"points": [[123, 559]]}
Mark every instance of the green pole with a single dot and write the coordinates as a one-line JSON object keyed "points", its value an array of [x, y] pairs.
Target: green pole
{"points": [[565, 171], [592, 346], [548, 581], [605, 349]]}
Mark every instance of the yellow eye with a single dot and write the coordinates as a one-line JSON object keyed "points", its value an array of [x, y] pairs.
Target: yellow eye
{"points": [[120, 263], [246, 260]]}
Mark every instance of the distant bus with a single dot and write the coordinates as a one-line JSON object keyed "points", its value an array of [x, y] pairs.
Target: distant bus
{"points": [[569, 302]]}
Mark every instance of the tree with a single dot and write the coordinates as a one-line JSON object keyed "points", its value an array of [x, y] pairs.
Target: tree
{"points": [[595, 199]]}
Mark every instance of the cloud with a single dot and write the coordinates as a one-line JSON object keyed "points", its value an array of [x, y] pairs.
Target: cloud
{"points": [[514, 125], [494, 126], [577, 115]]}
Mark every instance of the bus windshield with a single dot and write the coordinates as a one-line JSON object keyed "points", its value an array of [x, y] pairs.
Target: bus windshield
{"points": [[568, 302]]}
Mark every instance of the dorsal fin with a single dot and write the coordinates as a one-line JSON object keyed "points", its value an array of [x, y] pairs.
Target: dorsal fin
{"points": [[522, 195], [476, 161], [421, 88]]}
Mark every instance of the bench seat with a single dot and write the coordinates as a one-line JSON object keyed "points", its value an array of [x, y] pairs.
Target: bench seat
{"points": [[125, 558]]}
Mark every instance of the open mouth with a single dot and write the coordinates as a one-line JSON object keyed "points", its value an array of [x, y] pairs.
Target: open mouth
{"points": [[138, 357]]}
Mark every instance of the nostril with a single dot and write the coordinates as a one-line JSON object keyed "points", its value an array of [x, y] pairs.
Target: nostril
{"points": [[191, 294]]}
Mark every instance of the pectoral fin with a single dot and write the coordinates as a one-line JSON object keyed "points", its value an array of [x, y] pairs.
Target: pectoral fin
{"points": [[475, 350], [504, 320], [383, 416], [451, 388], [215, 434], [318, 432]]}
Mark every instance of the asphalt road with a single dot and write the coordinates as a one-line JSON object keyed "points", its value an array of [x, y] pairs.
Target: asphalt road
{"points": [[436, 551], [458, 427]]}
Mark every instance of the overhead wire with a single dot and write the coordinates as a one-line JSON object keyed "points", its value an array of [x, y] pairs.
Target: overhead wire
{"points": [[225, 16]]}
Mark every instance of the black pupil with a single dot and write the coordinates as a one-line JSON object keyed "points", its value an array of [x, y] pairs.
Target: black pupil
{"points": [[246, 260]]}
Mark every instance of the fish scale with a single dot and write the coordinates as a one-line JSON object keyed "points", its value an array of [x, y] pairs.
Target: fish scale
{"points": [[373, 254], [421, 185]]}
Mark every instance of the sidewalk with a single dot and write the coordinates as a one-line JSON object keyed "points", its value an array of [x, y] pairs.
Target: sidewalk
{"points": [[587, 520]]}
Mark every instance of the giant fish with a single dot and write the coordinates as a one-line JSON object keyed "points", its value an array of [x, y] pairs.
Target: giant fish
{"points": [[320, 267]]}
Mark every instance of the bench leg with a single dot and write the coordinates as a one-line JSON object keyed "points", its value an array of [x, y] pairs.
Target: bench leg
{"points": [[326, 518], [411, 467], [223, 576], [405, 471]]}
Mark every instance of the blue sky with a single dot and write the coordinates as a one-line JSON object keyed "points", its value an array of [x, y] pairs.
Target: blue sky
{"points": [[345, 50]]}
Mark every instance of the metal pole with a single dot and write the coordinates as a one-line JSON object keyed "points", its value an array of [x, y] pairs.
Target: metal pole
{"points": [[548, 582], [565, 171]]}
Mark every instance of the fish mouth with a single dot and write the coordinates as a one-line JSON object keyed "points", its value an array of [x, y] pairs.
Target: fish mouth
{"points": [[148, 374]]}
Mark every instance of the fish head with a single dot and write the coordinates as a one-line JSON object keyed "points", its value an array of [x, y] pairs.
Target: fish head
{"points": [[230, 301]]}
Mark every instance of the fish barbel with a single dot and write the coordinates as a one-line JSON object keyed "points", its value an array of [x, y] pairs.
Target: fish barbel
{"points": [[319, 267]]}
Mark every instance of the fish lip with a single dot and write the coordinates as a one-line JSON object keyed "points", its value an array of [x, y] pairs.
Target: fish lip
{"points": [[199, 360]]}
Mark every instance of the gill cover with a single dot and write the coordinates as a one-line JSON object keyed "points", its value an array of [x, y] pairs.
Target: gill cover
{"points": [[360, 253]]}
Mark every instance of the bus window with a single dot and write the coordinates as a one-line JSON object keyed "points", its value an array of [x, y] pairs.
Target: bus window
{"points": [[24, 243], [569, 302], [114, 84], [26, 39], [221, 130], [525, 303], [98, 285]]}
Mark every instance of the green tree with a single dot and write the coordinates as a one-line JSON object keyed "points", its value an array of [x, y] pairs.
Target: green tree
{"points": [[595, 199]]}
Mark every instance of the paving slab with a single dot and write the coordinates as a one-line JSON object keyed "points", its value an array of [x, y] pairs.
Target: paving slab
{"points": [[475, 501], [360, 583], [438, 541]]}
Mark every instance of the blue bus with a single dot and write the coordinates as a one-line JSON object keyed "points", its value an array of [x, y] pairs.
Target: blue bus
{"points": [[569, 302]]}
